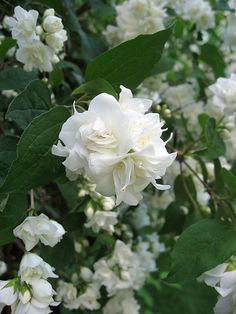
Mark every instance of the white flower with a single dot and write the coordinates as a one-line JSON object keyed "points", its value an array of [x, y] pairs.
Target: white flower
{"points": [[140, 217], [49, 12], [102, 220], [67, 293], [7, 294], [117, 146], [88, 299], [124, 270], [32, 267], [224, 94], [41, 297], [39, 228], [23, 25], [3, 267], [135, 17], [35, 55], [213, 276], [56, 40], [122, 303], [199, 12], [229, 33], [52, 24]]}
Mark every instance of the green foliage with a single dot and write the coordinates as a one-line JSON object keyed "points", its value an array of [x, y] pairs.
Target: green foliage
{"points": [[13, 214], [15, 78], [5, 45], [7, 154], [201, 247], [34, 100], [95, 87], [131, 62], [34, 155]]}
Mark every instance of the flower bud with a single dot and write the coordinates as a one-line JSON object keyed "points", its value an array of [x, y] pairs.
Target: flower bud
{"points": [[52, 24], [55, 59], [39, 30], [49, 12], [89, 212], [86, 274]]}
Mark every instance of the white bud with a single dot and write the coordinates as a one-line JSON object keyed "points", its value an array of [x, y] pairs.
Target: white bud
{"points": [[86, 274], [89, 212], [78, 247], [52, 24], [39, 30], [49, 12], [55, 59]]}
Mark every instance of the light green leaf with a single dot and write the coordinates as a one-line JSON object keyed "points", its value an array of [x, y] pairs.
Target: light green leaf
{"points": [[35, 164], [34, 100], [201, 247], [131, 62]]}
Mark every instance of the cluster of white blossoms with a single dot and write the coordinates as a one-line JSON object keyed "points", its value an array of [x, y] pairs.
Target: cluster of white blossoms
{"points": [[121, 273], [116, 145], [198, 12], [223, 279], [222, 105], [135, 17], [38, 45], [30, 292]]}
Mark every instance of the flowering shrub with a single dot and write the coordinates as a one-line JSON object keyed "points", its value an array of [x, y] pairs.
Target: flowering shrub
{"points": [[117, 157]]}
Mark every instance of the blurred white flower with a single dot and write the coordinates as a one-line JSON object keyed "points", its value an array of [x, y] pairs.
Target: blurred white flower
{"points": [[67, 293], [36, 55], [104, 220], [39, 228], [23, 25], [86, 274], [52, 24], [8, 295], [33, 267], [135, 17], [198, 12], [224, 94], [122, 303], [88, 299], [56, 40]]}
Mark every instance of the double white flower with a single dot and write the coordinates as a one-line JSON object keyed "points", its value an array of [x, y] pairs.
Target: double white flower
{"points": [[38, 45], [32, 293], [116, 145]]}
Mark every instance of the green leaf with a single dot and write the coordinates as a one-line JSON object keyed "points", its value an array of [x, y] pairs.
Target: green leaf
{"points": [[7, 154], [35, 164], [13, 215], [95, 87], [34, 100], [212, 140], [6, 44], [201, 247], [229, 180], [211, 55], [56, 77], [131, 62], [15, 78]]}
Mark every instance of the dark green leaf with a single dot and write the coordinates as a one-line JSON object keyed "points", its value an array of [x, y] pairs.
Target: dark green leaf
{"points": [[13, 214], [35, 164], [15, 78], [131, 62], [6, 44], [229, 180], [201, 247], [34, 100], [211, 55], [7, 154]]}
